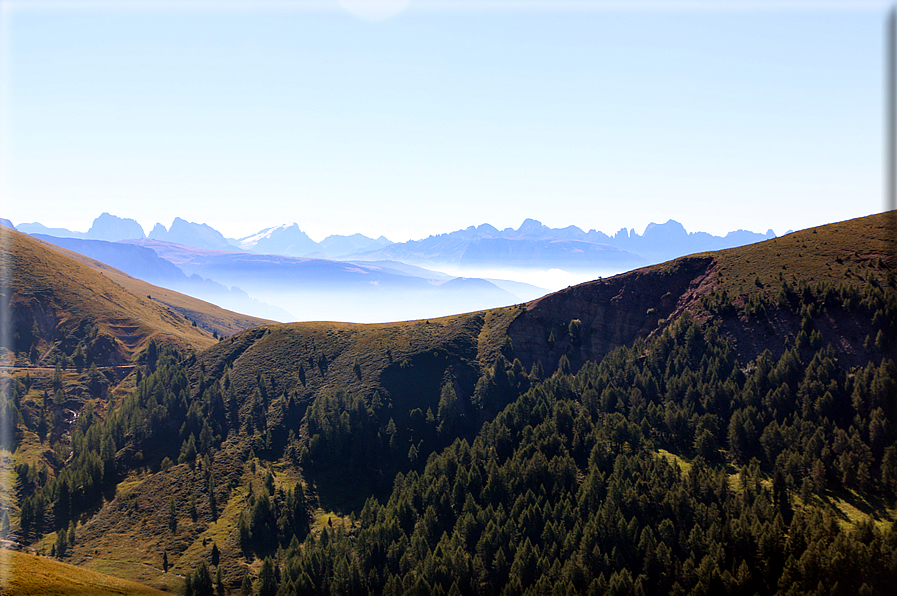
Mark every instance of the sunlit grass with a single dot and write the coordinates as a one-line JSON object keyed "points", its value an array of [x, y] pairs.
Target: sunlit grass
{"points": [[30, 575]]}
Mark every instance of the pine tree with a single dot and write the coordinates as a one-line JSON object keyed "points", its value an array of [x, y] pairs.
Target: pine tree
{"points": [[889, 470], [219, 583], [564, 365], [4, 526], [447, 413], [57, 377], [267, 582], [172, 516], [202, 581], [243, 531], [61, 543], [152, 354]]}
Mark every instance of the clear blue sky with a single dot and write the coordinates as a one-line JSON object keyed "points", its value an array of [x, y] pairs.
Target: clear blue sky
{"points": [[444, 115]]}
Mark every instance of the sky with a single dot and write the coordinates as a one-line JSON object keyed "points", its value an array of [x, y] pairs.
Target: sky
{"points": [[407, 118]]}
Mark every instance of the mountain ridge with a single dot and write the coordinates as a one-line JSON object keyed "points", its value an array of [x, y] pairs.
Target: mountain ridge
{"points": [[191, 234], [657, 243], [474, 246]]}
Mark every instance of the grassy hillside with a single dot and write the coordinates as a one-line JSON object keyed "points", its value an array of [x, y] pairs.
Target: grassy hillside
{"points": [[208, 317], [54, 299], [851, 252], [308, 358], [29, 575], [766, 369], [77, 328]]}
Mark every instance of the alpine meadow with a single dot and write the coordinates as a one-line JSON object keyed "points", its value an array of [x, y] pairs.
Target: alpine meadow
{"points": [[721, 423]]}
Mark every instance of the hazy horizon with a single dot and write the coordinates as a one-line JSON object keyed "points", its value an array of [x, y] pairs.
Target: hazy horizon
{"points": [[148, 228]]}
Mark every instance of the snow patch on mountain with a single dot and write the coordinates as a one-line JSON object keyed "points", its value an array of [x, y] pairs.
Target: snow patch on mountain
{"points": [[249, 242]]}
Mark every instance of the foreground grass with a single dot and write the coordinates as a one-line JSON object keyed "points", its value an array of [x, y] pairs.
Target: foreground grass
{"points": [[24, 574]]}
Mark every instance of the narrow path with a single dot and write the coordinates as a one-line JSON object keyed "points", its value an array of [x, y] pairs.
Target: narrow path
{"points": [[6, 368]]}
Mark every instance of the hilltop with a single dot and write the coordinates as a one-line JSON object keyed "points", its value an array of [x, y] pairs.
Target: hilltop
{"points": [[55, 298], [616, 311], [613, 312]]}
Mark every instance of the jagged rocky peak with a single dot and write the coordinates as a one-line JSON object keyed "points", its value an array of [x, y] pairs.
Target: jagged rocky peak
{"points": [[158, 232], [191, 234], [113, 228]]}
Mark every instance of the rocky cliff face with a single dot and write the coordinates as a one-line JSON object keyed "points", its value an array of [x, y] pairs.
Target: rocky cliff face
{"points": [[587, 321]]}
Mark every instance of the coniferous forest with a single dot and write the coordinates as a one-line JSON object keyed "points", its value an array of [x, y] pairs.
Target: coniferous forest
{"points": [[739, 437]]}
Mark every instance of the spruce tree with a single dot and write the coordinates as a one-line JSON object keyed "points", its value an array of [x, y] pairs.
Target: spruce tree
{"points": [[219, 583], [61, 543], [172, 516], [202, 581], [267, 582]]}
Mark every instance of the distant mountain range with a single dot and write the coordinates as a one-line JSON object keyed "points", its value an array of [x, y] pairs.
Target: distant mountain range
{"points": [[280, 273], [531, 246], [189, 234], [105, 227], [536, 246], [289, 240], [289, 288], [286, 239]]}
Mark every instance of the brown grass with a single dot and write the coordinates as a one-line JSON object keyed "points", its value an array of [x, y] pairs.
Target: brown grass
{"points": [[51, 283], [30, 575], [843, 252]]}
